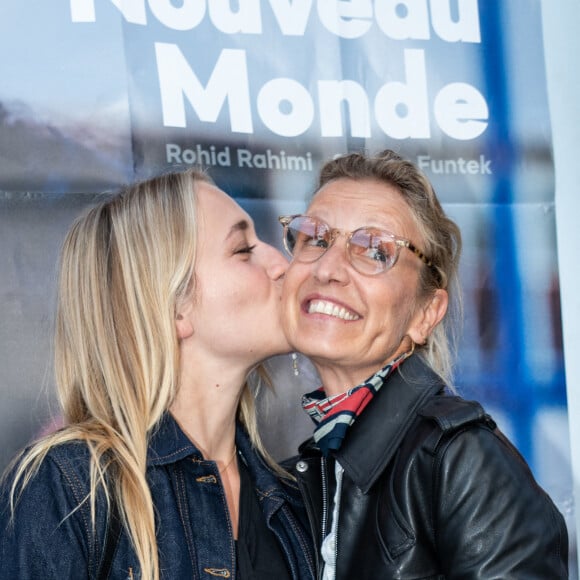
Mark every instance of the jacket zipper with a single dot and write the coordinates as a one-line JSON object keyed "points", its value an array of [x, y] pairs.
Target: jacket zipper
{"points": [[325, 508], [324, 480], [336, 508]]}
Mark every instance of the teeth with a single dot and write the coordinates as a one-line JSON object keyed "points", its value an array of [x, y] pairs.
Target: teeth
{"points": [[330, 309]]}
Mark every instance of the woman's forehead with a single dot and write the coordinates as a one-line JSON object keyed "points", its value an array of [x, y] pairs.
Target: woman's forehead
{"points": [[363, 203]]}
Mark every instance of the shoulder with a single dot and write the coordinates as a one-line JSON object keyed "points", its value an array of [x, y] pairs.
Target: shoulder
{"points": [[60, 476], [458, 446], [72, 459], [441, 419], [484, 504], [45, 514], [485, 494], [470, 456], [452, 411], [69, 456], [450, 422], [444, 416]]}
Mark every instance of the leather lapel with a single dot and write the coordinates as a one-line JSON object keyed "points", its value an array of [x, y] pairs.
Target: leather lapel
{"points": [[376, 435]]}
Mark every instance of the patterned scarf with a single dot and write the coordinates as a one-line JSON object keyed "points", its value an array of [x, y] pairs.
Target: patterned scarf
{"points": [[335, 414]]}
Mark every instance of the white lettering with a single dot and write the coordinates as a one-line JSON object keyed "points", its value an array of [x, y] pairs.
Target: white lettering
{"points": [[347, 19], [244, 158], [398, 19], [184, 17], [461, 111], [282, 93], [464, 29], [82, 11], [333, 94], [292, 15], [287, 109], [247, 20], [132, 10], [174, 154], [458, 166], [229, 79], [270, 160], [403, 20], [259, 161], [401, 108], [299, 163]]}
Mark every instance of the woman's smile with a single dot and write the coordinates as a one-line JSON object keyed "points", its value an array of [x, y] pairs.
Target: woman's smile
{"points": [[330, 308]]}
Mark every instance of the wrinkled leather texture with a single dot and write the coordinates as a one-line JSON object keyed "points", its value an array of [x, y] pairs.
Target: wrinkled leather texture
{"points": [[432, 490]]}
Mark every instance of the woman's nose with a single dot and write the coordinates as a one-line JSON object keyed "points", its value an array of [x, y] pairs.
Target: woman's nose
{"points": [[276, 262], [332, 266]]}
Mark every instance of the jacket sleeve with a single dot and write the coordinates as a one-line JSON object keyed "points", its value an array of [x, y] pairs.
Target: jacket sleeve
{"points": [[45, 537], [491, 518]]}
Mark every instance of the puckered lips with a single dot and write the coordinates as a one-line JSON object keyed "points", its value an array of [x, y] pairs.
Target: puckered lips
{"points": [[329, 308]]}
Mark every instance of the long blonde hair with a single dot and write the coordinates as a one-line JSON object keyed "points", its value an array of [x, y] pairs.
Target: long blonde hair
{"points": [[125, 264]]}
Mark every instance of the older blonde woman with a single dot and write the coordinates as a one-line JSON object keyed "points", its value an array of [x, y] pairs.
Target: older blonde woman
{"points": [[167, 302], [401, 479]]}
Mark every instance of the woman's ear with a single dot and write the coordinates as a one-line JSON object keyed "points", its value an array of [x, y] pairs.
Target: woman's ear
{"points": [[184, 320], [428, 316]]}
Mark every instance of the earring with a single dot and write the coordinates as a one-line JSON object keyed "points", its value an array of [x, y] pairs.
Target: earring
{"points": [[295, 364]]}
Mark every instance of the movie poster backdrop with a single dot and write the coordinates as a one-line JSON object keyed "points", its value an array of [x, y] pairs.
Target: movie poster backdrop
{"points": [[95, 94]]}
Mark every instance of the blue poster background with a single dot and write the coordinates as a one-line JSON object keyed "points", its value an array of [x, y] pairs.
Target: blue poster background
{"points": [[96, 94]]}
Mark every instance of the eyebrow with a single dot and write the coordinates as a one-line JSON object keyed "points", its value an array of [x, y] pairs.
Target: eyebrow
{"points": [[241, 226]]}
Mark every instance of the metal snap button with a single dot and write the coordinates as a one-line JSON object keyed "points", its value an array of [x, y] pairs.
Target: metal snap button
{"points": [[302, 466]]}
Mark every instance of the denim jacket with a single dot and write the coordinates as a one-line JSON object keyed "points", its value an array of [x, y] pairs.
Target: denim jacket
{"points": [[51, 536]]}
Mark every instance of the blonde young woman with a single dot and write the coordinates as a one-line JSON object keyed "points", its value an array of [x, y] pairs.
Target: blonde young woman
{"points": [[167, 301]]}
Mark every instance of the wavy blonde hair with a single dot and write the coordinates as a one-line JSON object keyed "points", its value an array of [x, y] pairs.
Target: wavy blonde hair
{"points": [[441, 241], [125, 264]]}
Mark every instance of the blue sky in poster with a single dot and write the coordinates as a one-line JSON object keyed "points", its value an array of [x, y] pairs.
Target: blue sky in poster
{"points": [[64, 110], [58, 69]]}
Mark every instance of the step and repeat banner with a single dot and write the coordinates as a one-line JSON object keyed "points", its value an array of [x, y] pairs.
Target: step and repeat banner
{"points": [[95, 94]]}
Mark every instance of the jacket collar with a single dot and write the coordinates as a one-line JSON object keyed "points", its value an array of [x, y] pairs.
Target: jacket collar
{"points": [[269, 485], [375, 437], [169, 444]]}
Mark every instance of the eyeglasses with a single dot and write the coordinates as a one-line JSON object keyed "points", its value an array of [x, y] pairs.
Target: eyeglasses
{"points": [[370, 251]]}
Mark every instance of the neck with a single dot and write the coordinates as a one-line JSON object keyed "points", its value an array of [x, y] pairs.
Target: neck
{"points": [[206, 408], [337, 379]]}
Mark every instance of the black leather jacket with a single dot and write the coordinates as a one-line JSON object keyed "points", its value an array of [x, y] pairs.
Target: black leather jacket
{"points": [[431, 489]]}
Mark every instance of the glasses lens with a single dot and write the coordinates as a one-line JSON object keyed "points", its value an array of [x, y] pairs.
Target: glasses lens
{"points": [[372, 251], [307, 239]]}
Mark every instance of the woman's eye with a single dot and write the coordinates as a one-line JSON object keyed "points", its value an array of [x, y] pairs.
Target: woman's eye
{"points": [[378, 255], [319, 242], [302, 240], [245, 250], [382, 252]]}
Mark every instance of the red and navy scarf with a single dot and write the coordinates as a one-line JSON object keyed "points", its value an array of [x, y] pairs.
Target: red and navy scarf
{"points": [[335, 414]]}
